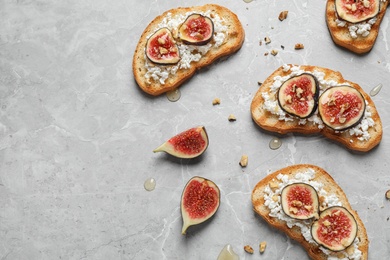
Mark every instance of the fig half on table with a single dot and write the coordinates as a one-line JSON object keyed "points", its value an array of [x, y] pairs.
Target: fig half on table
{"points": [[188, 144], [199, 202]]}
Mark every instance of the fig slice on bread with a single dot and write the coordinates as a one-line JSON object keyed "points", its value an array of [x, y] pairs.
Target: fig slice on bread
{"points": [[161, 48], [341, 107], [298, 95], [357, 11], [355, 123], [196, 29], [346, 237]]}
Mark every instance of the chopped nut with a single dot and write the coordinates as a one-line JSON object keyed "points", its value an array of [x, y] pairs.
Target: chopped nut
{"points": [[244, 160], [275, 198], [266, 54], [212, 15], [350, 250], [293, 210], [326, 223], [274, 52], [267, 40], [342, 120], [366, 3], [163, 50], [161, 41], [353, 7], [232, 118], [259, 83], [216, 101], [308, 207], [388, 194], [262, 246], [288, 99], [297, 203], [299, 92], [299, 46], [248, 249], [283, 15], [260, 43]]}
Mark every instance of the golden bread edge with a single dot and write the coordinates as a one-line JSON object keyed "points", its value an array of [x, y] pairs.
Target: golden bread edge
{"points": [[294, 233], [283, 127], [232, 44]]}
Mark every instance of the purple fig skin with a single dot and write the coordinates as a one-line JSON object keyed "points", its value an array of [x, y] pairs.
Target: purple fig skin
{"points": [[196, 20], [161, 48], [199, 202], [188, 144]]}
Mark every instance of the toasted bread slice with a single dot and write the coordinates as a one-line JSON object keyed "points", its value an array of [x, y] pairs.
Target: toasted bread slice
{"points": [[363, 141], [228, 38], [341, 35], [325, 185]]}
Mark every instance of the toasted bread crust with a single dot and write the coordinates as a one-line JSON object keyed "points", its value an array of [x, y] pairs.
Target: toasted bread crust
{"points": [[270, 122], [329, 185], [233, 42], [341, 36]]}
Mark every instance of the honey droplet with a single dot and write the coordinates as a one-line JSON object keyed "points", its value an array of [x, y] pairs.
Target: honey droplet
{"points": [[227, 253], [150, 184], [375, 90], [275, 143], [174, 95]]}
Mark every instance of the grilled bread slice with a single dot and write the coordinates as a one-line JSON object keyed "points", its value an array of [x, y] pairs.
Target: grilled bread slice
{"points": [[274, 182], [341, 35], [265, 116], [228, 38]]}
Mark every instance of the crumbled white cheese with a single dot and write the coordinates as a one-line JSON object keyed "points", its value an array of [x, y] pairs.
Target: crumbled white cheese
{"points": [[188, 53], [271, 103], [330, 200], [355, 29]]}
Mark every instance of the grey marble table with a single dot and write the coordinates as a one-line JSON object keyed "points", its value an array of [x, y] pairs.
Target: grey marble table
{"points": [[77, 134]]}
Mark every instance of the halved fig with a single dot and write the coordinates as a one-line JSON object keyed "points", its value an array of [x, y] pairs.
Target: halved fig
{"points": [[199, 201], [300, 201], [188, 144], [161, 48], [357, 11], [341, 107], [196, 30], [336, 229], [298, 95]]}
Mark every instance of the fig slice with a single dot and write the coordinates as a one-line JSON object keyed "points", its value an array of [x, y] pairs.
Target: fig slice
{"points": [[161, 48], [341, 107], [300, 201], [336, 228], [199, 201], [357, 11], [196, 30], [188, 144], [298, 95]]}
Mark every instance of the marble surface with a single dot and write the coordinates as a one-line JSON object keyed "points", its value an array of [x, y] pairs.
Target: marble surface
{"points": [[77, 134]]}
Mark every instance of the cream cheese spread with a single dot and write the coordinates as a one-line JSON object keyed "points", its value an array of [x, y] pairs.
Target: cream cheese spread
{"points": [[188, 53], [329, 200], [271, 103]]}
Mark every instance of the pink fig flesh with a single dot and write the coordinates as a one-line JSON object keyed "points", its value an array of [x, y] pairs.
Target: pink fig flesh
{"points": [[199, 202], [188, 144]]}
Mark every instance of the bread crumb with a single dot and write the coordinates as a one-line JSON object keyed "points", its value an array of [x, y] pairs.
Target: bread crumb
{"points": [[283, 15], [232, 118], [216, 101], [262, 246], [299, 46], [244, 160], [248, 249], [266, 53], [274, 52], [267, 40]]}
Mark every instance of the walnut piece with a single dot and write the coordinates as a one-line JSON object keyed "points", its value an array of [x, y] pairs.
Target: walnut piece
{"points": [[267, 40], [232, 118], [299, 46], [262, 246], [274, 52], [283, 15], [244, 160], [248, 249], [216, 101]]}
